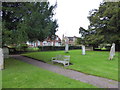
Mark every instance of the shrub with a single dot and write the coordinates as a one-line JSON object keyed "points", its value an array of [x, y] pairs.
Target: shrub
{"points": [[21, 47], [55, 48]]}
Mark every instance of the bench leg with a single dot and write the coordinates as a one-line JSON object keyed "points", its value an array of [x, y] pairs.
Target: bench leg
{"points": [[52, 62], [66, 63]]}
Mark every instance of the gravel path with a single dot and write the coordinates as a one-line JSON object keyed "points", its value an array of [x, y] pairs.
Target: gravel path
{"points": [[94, 80]]}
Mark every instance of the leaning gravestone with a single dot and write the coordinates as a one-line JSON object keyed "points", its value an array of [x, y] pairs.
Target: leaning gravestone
{"points": [[66, 44], [83, 50], [112, 51], [1, 59]]}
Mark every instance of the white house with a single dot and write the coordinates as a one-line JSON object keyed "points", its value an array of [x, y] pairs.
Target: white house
{"points": [[46, 42]]}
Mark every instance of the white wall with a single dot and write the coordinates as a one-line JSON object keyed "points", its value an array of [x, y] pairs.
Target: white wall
{"points": [[38, 43], [57, 44], [45, 43]]}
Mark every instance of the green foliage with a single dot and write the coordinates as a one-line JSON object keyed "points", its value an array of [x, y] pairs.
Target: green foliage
{"points": [[27, 21], [104, 24], [19, 74], [94, 63], [80, 41], [76, 43], [83, 32], [21, 47]]}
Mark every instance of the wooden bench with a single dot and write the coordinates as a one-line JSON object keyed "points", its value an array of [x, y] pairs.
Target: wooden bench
{"points": [[64, 59]]}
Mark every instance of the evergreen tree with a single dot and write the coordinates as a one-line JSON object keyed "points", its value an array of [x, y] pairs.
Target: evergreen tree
{"points": [[27, 21], [104, 24]]}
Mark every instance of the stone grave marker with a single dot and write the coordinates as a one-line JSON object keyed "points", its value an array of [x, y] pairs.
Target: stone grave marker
{"points": [[66, 44], [83, 50], [112, 52]]}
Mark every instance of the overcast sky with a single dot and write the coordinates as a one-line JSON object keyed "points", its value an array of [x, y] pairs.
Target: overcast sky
{"points": [[71, 14]]}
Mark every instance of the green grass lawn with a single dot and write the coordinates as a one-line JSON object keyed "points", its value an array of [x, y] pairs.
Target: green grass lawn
{"points": [[19, 74], [94, 62], [0, 80]]}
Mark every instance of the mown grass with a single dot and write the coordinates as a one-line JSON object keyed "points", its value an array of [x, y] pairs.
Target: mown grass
{"points": [[94, 62], [19, 74], [0, 80]]}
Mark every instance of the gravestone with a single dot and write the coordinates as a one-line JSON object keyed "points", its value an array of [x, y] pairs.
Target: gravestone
{"points": [[1, 59], [112, 51], [83, 50], [66, 44], [6, 52]]}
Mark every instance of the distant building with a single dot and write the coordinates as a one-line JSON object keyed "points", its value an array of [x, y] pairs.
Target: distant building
{"points": [[72, 40], [46, 42]]}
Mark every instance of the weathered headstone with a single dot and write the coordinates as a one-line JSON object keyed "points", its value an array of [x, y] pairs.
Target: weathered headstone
{"points": [[66, 48], [1, 59], [83, 50], [66, 44], [112, 51], [6, 52]]}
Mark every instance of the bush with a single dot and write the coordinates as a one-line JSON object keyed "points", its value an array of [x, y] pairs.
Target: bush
{"points": [[12, 50], [22, 47], [107, 47], [102, 49]]}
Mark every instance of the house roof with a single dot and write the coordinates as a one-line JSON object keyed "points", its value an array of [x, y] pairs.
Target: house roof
{"points": [[49, 39], [71, 38]]}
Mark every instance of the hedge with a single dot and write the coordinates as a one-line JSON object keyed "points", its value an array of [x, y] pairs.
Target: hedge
{"points": [[56, 48], [42, 48]]}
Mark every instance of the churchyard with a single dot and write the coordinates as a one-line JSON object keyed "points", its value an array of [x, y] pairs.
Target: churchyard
{"points": [[94, 62], [34, 23], [19, 74]]}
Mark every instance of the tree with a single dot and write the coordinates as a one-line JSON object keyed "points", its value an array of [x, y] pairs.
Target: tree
{"points": [[104, 24], [83, 33], [27, 21]]}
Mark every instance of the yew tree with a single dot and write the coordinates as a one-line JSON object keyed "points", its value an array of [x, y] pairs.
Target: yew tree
{"points": [[104, 25], [27, 21]]}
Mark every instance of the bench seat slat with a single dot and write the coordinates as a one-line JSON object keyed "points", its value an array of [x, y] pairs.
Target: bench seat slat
{"points": [[61, 59]]}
